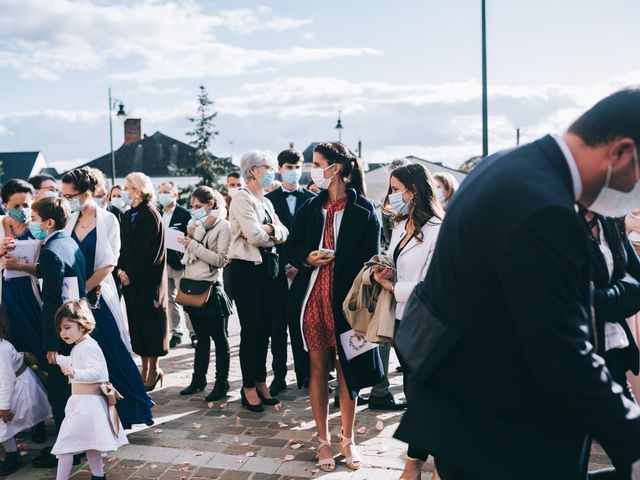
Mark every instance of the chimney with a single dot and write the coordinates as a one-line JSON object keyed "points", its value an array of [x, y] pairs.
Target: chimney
{"points": [[132, 130]]}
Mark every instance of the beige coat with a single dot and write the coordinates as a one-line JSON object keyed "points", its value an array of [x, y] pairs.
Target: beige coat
{"points": [[246, 216], [207, 253], [370, 309]]}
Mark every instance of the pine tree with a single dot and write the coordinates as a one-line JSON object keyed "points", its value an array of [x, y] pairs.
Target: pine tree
{"points": [[203, 133]]}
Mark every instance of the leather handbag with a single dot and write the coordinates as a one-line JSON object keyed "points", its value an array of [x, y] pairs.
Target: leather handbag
{"points": [[194, 293], [271, 261]]}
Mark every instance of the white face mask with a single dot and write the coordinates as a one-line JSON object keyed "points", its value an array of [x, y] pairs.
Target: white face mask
{"points": [[233, 191], [614, 203], [440, 196], [317, 175]]}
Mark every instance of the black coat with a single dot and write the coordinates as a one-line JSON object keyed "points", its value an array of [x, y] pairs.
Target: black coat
{"points": [[116, 212], [616, 298], [519, 391], [358, 241], [281, 207], [179, 221]]}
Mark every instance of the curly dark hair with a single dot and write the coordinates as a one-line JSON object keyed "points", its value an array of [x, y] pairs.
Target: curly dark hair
{"points": [[83, 179], [424, 204], [352, 171]]}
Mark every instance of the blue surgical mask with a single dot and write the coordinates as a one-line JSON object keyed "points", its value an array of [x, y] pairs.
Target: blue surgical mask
{"points": [[51, 194], [20, 215], [268, 178], [36, 230], [118, 203], [76, 206], [166, 199], [126, 198], [199, 213], [398, 204], [292, 176]]}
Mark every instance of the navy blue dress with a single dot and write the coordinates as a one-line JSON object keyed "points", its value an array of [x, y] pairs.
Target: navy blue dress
{"points": [[24, 312], [123, 373]]}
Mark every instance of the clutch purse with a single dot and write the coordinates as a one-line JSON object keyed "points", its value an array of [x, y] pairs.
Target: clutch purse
{"points": [[194, 293]]}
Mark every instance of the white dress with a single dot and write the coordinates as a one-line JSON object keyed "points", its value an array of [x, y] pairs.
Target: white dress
{"points": [[24, 395], [86, 417]]}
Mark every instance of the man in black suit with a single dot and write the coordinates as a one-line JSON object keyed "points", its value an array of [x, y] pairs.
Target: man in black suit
{"points": [[176, 217], [286, 201], [505, 383], [60, 258]]}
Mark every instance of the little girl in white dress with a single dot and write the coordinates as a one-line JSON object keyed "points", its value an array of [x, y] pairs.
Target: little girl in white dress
{"points": [[88, 425], [23, 400]]}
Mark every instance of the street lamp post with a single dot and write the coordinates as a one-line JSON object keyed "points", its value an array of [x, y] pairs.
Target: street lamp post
{"points": [[485, 128], [339, 127], [113, 102]]}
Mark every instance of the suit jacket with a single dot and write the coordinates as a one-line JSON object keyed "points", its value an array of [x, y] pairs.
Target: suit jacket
{"points": [[179, 221], [281, 207], [116, 212], [617, 297], [521, 388], [59, 257], [358, 240]]}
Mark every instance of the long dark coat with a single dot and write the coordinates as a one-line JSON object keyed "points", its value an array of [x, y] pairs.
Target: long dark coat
{"points": [[358, 241], [143, 257]]}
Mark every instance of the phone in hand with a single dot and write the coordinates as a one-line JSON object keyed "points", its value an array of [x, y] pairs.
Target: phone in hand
{"points": [[326, 252]]}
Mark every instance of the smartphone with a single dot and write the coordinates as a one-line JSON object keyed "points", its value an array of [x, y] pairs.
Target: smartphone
{"points": [[326, 252]]}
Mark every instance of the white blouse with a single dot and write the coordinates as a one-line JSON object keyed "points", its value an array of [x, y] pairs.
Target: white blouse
{"points": [[10, 362], [87, 361]]}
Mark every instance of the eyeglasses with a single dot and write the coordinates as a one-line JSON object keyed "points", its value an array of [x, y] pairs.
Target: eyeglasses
{"points": [[69, 197]]}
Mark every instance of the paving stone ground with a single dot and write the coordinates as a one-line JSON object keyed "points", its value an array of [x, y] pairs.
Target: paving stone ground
{"points": [[194, 440]]}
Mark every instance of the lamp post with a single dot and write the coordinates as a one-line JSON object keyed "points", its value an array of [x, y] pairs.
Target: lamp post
{"points": [[485, 128], [339, 127], [113, 102]]}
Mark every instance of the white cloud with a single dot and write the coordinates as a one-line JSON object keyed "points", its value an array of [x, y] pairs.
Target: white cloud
{"points": [[42, 39]]}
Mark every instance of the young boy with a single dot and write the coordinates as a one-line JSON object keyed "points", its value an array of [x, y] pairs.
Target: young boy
{"points": [[60, 258]]}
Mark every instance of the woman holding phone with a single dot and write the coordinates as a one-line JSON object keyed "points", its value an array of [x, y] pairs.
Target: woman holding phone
{"points": [[412, 195], [331, 238]]}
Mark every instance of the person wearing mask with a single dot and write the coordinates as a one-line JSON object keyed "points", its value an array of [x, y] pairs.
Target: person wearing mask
{"points": [[418, 216], [143, 273], [206, 250], [255, 230], [498, 335], [232, 186], [44, 185], [176, 217], [286, 200], [103, 195], [447, 187], [332, 236], [97, 233], [60, 261], [117, 201]]}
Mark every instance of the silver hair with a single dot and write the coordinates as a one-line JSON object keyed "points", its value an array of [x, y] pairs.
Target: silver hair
{"points": [[253, 159]]}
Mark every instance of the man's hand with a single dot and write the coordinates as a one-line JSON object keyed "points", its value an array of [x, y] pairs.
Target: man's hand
{"points": [[6, 416], [67, 371], [51, 357], [290, 271], [124, 278], [316, 259]]}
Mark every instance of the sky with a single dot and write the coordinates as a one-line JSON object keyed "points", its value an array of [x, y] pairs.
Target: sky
{"points": [[406, 75]]}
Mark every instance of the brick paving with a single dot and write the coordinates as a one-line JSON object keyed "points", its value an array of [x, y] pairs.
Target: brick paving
{"points": [[194, 440]]}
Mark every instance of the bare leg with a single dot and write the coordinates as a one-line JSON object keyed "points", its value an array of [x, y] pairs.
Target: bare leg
{"points": [[320, 362], [348, 415], [252, 395], [145, 369], [412, 470]]}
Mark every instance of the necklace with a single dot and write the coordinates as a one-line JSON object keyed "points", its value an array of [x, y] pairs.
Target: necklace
{"points": [[87, 224]]}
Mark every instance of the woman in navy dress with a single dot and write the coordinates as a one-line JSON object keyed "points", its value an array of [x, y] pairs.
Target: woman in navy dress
{"points": [[20, 297], [97, 233]]}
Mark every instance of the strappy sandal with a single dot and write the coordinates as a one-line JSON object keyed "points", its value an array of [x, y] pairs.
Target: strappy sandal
{"points": [[354, 460], [326, 464]]}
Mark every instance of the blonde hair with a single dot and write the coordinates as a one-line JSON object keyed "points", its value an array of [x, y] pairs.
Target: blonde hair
{"points": [[76, 311], [143, 184]]}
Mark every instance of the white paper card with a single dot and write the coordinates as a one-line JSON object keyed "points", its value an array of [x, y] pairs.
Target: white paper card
{"points": [[171, 237], [354, 345], [25, 251], [70, 290]]}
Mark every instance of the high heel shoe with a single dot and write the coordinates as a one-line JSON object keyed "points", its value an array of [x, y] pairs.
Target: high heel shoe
{"points": [[267, 401], [250, 406], [159, 378]]}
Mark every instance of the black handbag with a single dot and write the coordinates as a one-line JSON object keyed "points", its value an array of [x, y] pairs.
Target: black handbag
{"points": [[194, 293], [423, 339], [270, 259]]}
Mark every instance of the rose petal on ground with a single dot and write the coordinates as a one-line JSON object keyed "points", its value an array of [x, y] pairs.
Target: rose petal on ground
{"points": [[282, 424], [210, 405], [315, 470], [235, 439], [237, 420], [379, 425], [296, 446], [223, 405], [288, 458], [222, 416], [153, 467], [362, 430], [244, 444], [250, 454], [277, 407], [202, 436], [240, 459], [157, 430], [196, 425], [197, 454]]}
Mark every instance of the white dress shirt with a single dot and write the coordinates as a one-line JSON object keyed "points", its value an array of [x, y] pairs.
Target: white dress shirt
{"points": [[166, 216], [291, 199], [571, 163]]}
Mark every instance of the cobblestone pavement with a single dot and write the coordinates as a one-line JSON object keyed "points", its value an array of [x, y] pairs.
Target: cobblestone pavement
{"points": [[193, 439]]}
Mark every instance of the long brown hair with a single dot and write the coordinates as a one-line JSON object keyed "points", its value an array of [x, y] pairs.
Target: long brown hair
{"points": [[352, 171], [424, 204]]}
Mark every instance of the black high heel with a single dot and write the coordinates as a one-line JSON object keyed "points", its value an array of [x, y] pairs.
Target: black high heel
{"points": [[251, 407], [267, 401]]}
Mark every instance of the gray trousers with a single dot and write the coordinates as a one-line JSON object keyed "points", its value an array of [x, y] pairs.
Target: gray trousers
{"points": [[176, 313]]}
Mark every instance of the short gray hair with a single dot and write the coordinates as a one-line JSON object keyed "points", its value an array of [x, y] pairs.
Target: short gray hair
{"points": [[253, 159], [172, 185]]}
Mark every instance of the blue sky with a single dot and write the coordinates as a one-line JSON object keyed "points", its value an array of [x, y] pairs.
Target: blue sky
{"points": [[405, 73]]}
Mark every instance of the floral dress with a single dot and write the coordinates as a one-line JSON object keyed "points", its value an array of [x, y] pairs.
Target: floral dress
{"points": [[318, 327]]}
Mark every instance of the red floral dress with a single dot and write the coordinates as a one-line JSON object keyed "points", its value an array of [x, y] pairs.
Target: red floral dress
{"points": [[318, 327]]}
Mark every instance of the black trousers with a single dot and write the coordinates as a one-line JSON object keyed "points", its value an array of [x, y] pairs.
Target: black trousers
{"points": [[58, 387], [252, 291], [208, 325], [279, 328], [449, 472]]}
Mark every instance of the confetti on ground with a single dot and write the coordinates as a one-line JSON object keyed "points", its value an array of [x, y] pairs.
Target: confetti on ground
{"points": [[288, 458], [250, 454], [153, 467], [282, 424], [222, 416], [111, 459], [244, 444], [362, 430], [277, 407], [235, 439], [202, 436], [210, 405], [223, 405], [237, 420], [197, 454], [296, 446], [379, 425], [196, 425], [158, 430]]}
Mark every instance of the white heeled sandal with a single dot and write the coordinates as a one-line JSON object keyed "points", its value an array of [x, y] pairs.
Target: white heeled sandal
{"points": [[354, 460], [326, 464]]}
